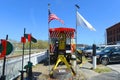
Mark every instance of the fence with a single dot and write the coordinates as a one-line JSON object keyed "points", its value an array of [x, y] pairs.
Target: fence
{"points": [[15, 64]]}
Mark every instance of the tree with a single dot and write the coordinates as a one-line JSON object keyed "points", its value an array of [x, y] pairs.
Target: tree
{"points": [[39, 45]]}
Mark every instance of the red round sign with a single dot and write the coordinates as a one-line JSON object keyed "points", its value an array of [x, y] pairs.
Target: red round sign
{"points": [[5, 48]]}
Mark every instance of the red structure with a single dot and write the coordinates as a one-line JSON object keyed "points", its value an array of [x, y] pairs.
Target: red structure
{"points": [[4, 46], [54, 35], [54, 32], [55, 44]]}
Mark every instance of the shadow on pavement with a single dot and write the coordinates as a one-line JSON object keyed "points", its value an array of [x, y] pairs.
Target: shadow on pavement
{"points": [[114, 63], [36, 74], [44, 62]]}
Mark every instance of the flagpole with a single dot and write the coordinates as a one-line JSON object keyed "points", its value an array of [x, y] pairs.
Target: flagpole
{"points": [[48, 52], [77, 7]]}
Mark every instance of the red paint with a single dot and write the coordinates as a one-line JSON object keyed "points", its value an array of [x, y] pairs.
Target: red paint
{"points": [[23, 39]]}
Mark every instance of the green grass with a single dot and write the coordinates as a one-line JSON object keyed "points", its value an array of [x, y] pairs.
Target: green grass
{"points": [[84, 59], [102, 69]]}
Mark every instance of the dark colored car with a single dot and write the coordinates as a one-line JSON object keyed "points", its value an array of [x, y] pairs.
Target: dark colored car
{"points": [[88, 51], [109, 54]]}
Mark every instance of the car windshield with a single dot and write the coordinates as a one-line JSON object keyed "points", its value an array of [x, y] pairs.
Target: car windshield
{"points": [[100, 48], [107, 49], [88, 48]]}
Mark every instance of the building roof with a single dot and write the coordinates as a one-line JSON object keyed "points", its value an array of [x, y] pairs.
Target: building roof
{"points": [[62, 29], [117, 24], [54, 32]]}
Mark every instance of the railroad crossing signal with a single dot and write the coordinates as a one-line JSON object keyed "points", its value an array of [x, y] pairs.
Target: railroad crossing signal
{"points": [[5, 48], [9, 48], [30, 38]]}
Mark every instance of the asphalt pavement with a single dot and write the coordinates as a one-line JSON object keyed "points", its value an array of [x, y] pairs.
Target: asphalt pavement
{"points": [[114, 66], [113, 75], [92, 75]]}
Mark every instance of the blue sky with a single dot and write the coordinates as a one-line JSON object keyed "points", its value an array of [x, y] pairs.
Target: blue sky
{"points": [[15, 15]]}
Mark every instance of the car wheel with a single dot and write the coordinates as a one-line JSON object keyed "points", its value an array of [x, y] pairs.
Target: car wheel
{"points": [[104, 61]]}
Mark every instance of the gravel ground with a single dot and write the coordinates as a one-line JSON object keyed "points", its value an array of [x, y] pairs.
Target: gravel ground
{"points": [[41, 72]]}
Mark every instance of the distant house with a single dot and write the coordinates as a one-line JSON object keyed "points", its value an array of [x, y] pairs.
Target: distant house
{"points": [[113, 34]]}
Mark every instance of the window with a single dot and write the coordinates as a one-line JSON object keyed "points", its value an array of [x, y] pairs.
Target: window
{"points": [[117, 49]]}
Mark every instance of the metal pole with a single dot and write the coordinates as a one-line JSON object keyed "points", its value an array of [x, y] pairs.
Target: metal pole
{"points": [[77, 7], [94, 56], [49, 37], [105, 35], [30, 50], [30, 63], [3, 77], [22, 76]]}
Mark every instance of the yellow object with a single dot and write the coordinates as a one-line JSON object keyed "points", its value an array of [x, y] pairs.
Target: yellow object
{"points": [[61, 58], [79, 51], [62, 41], [81, 64]]}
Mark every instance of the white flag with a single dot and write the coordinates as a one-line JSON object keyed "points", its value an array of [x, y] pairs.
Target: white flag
{"points": [[82, 22]]}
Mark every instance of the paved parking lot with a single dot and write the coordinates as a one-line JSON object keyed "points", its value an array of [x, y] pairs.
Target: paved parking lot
{"points": [[107, 76], [115, 66]]}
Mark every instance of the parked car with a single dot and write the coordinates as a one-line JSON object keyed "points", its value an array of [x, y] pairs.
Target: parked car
{"points": [[88, 51], [100, 48], [109, 54]]}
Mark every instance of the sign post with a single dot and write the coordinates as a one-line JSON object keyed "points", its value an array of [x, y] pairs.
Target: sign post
{"points": [[28, 67], [4, 44], [94, 56], [23, 40]]}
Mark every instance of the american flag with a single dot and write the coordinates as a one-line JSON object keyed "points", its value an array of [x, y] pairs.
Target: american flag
{"points": [[53, 17]]}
